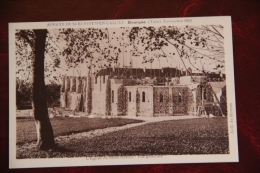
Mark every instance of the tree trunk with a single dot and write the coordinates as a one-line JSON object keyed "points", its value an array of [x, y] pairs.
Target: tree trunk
{"points": [[45, 138]]}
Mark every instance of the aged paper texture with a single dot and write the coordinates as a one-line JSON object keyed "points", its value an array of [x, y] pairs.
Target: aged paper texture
{"points": [[116, 92]]}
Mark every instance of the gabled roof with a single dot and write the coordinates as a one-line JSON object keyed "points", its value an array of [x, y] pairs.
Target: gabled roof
{"points": [[217, 86]]}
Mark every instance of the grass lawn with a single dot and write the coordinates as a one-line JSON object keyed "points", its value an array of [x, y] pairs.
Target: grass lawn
{"points": [[191, 136], [26, 131], [175, 137]]}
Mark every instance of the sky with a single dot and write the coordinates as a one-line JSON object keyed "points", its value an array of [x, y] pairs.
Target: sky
{"points": [[126, 57]]}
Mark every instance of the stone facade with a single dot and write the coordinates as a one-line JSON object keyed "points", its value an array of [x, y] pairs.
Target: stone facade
{"points": [[108, 95], [99, 95], [161, 98], [145, 101], [73, 93]]}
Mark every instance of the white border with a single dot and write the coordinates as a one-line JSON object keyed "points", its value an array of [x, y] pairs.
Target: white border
{"points": [[64, 162]]}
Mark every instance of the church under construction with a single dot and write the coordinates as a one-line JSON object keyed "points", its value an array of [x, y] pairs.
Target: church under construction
{"points": [[145, 92]]}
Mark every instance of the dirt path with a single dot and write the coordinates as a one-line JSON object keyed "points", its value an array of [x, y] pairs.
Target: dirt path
{"points": [[99, 132]]}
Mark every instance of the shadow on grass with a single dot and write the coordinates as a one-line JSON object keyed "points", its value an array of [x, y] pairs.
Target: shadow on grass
{"points": [[59, 148], [32, 152]]}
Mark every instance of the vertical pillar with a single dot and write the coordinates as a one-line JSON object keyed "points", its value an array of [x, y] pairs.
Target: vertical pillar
{"points": [[195, 102], [63, 84], [71, 83], [77, 83], [74, 84], [80, 85], [63, 92], [67, 84], [151, 101], [84, 95], [84, 84], [170, 101], [89, 87], [76, 95]]}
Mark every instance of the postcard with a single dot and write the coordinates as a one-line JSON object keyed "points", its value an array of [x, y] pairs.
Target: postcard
{"points": [[121, 92]]}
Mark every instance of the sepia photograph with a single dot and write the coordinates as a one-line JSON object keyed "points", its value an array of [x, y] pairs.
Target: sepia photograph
{"points": [[117, 92]]}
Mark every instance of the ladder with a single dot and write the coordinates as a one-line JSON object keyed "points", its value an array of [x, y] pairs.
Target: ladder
{"points": [[201, 111]]}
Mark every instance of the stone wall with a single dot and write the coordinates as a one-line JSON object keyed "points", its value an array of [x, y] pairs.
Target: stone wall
{"points": [[62, 99], [180, 100], [122, 101], [99, 95], [73, 95], [145, 101], [115, 85], [161, 100], [199, 96], [104, 96], [73, 101], [131, 100], [108, 97], [172, 100], [88, 95]]}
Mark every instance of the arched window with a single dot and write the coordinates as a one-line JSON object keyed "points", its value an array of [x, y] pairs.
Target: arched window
{"points": [[74, 84], [179, 97], [112, 97], [143, 96], [68, 84], [205, 94], [201, 92], [79, 89], [161, 97], [129, 96], [183, 96]]}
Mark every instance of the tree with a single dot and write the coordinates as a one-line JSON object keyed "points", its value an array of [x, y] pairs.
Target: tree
{"points": [[45, 138], [81, 45], [23, 93], [36, 40], [192, 44], [91, 46], [52, 93]]}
